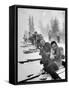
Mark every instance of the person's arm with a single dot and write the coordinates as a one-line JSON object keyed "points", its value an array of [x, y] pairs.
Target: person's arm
{"points": [[57, 55], [52, 54], [62, 53]]}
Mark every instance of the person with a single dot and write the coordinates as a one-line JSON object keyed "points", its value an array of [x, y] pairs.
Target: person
{"points": [[32, 38], [56, 60], [45, 52], [39, 38], [35, 37], [25, 38], [48, 62], [57, 53]]}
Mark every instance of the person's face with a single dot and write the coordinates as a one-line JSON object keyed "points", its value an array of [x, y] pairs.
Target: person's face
{"points": [[42, 42], [54, 46], [35, 33]]}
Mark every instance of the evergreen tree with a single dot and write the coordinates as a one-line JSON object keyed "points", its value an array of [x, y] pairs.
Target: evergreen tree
{"points": [[31, 25], [55, 27]]}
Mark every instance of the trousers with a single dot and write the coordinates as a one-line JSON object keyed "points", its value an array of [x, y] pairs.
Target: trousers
{"points": [[51, 69]]}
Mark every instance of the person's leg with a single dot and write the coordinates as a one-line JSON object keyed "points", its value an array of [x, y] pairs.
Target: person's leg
{"points": [[52, 71], [54, 75]]}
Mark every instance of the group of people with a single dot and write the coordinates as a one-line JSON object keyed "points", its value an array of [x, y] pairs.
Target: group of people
{"points": [[35, 39], [52, 56], [51, 53]]}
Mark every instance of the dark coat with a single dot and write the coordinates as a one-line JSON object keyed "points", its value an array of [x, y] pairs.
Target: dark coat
{"points": [[45, 53]]}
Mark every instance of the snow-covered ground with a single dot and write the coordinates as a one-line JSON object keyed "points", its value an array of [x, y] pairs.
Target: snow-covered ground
{"points": [[31, 67], [28, 68]]}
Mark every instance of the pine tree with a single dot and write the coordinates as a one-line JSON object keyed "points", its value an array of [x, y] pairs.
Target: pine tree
{"points": [[55, 27], [31, 25]]}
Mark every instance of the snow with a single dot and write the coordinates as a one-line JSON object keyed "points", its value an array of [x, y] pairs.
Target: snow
{"points": [[32, 67]]}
